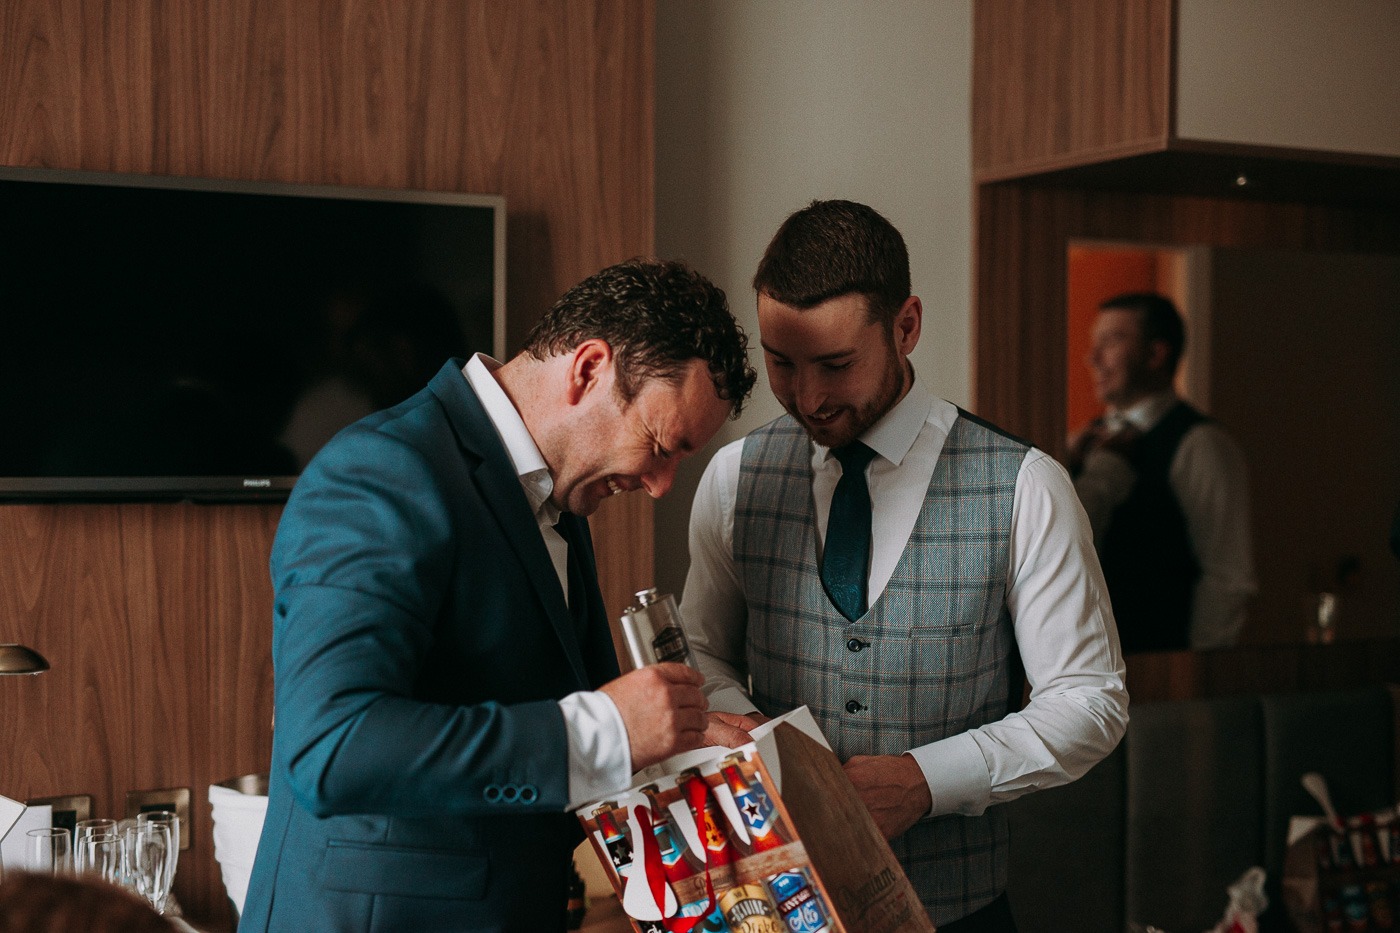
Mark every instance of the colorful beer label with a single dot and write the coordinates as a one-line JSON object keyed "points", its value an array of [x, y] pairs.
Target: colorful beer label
{"points": [[760, 817], [799, 904], [713, 922], [747, 909]]}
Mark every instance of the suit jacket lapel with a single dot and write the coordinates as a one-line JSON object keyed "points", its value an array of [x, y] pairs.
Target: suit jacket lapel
{"points": [[500, 490]]}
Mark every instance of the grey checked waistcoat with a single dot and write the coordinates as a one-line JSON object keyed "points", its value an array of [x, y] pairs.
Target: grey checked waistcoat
{"points": [[934, 655]]}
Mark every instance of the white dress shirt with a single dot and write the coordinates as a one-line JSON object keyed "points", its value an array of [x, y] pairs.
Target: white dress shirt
{"points": [[600, 758], [1054, 591], [1210, 480]]}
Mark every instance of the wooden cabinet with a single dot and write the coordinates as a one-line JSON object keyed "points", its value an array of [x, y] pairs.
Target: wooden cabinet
{"points": [[1076, 136], [1067, 84]]}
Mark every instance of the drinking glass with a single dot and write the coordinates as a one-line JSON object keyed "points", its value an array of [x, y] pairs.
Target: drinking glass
{"points": [[81, 831], [49, 851], [99, 854], [150, 862], [126, 872], [167, 818]]}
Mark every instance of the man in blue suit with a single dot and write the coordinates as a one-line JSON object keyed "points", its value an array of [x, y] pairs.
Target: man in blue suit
{"points": [[446, 686]]}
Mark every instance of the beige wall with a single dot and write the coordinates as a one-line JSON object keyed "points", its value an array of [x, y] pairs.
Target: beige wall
{"points": [[761, 107], [1291, 73]]}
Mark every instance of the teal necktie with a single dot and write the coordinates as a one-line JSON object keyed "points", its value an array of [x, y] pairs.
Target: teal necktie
{"points": [[846, 555]]}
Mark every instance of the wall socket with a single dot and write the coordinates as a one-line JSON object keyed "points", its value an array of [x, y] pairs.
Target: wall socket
{"points": [[68, 811], [175, 799]]}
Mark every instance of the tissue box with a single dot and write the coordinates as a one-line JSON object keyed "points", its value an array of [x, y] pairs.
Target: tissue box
{"points": [[766, 838]]}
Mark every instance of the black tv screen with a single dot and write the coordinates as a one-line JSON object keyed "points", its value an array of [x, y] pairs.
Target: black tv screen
{"points": [[172, 338]]}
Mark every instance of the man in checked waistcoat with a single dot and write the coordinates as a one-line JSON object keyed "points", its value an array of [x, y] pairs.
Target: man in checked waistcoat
{"points": [[898, 565]]}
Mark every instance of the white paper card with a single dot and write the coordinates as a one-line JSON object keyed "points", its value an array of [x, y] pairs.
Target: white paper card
{"points": [[10, 812], [12, 854]]}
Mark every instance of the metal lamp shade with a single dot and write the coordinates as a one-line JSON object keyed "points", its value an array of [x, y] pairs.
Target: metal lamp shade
{"points": [[20, 659]]}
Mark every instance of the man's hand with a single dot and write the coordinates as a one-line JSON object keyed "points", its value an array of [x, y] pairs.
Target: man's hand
{"points": [[663, 709], [893, 788], [731, 729]]}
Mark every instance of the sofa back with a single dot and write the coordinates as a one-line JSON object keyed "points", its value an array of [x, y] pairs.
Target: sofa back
{"points": [[1197, 792]]}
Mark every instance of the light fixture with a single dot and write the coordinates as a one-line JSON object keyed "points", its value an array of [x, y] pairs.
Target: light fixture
{"points": [[20, 659]]}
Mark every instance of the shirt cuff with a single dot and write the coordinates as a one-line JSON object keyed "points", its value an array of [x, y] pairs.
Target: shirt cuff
{"points": [[731, 700], [600, 755], [957, 775]]}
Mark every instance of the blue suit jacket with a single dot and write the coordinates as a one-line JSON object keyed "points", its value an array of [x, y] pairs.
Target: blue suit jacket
{"points": [[421, 642]]}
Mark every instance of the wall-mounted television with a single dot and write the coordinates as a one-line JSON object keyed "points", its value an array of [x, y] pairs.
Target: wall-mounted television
{"points": [[182, 338]]}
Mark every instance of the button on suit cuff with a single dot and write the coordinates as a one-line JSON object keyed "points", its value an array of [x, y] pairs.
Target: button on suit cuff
{"points": [[600, 755]]}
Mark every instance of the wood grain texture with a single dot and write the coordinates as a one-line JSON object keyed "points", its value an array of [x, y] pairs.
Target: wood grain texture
{"points": [[156, 617], [1062, 83]]}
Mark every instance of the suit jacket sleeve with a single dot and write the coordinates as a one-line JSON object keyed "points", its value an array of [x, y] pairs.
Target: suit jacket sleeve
{"points": [[379, 644]]}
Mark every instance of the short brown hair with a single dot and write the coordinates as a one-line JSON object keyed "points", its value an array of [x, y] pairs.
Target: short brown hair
{"points": [[1160, 320], [657, 315], [834, 248]]}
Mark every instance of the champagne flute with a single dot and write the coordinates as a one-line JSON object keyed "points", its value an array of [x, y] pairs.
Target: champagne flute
{"points": [[126, 872], [169, 819], [81, 831], [151, 848], [100, 854], [49, 851]]}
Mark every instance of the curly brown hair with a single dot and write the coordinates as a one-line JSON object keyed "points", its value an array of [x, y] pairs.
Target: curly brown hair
{"points": [[657, 315], [34, 903]]}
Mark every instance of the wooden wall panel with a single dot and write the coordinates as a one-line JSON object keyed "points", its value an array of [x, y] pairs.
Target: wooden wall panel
{"points": [[1020, 321], [1063, 83], [156, 617], [1023, 235]]}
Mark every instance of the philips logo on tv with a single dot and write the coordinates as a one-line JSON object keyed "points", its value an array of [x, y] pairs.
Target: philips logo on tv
{"points": [[257, 484]]}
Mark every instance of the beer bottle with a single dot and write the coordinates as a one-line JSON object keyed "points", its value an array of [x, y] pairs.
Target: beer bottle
{"points": [[676, 858], [679, 862], [748, 909], [709, 821], [799, 903], [759, 814], [614, 837]]}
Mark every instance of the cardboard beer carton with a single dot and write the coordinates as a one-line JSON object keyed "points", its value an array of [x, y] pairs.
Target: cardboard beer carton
{"points": [[766, 838]]}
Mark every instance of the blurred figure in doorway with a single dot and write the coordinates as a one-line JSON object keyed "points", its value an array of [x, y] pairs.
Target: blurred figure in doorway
{"points": [[1165, 487]]}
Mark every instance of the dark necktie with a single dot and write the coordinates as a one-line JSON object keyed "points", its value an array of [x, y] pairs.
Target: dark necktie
{"points": [[576, 594], [846, 555]]}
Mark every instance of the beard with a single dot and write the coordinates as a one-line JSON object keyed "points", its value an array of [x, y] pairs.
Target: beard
{"points": [[854, 419]]}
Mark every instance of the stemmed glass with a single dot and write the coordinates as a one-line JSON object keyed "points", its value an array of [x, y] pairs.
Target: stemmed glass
{"points": [[81, 832], [126, 872], [49, 851], [152, 848], [169, 819], [100, 854]]}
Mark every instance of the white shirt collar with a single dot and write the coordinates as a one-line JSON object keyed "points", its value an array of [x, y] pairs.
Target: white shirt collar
{"points": [[524, 455], [1145, 413], [894, 434]]}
